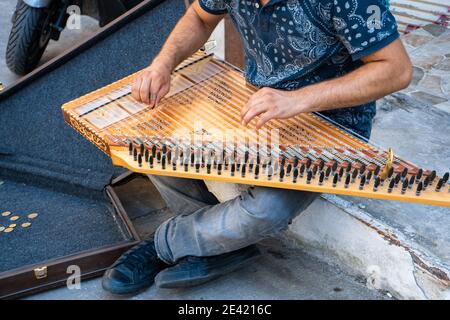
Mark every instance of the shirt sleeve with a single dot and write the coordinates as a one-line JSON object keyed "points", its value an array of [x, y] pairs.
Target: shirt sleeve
{"points": [[364, 26], [216, 7]]}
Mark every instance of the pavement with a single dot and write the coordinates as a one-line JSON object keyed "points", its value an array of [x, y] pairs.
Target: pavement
{"points": [[282, 272]]}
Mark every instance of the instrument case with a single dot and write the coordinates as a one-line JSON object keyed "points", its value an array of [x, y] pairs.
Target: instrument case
{"points": [[49, 169], [73, 234]]}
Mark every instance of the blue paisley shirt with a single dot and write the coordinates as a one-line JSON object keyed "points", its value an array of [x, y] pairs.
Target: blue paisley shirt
{"points": [[293, 43]]}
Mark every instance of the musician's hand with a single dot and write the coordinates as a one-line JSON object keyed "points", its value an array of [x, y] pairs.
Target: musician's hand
{"points": [[268, 103], [151, 84]]}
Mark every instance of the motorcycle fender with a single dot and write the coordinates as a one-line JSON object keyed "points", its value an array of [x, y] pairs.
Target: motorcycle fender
{"points": [[38, 3]]}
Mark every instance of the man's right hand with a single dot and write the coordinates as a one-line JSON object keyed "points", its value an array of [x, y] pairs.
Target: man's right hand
{"points": [[190, 33], [151, 84]]}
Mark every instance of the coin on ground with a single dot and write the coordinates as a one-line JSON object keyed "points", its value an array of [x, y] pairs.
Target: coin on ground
{"points": [[6, 213], [13, 225], [26, 224], [14, 218], [8, 230], [2, 228], [32, 215]]}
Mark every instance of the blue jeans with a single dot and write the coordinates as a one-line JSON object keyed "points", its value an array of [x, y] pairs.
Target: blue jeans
{"points": [[204, 227]]}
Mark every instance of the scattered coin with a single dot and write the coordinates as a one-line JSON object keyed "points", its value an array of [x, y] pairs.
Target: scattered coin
{"points": [[2, 228], [13, 225], [26, 224], [8, 230], [32, 215], [14, 218], [6, 213]]}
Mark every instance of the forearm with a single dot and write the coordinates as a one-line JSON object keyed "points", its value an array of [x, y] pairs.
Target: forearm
{"points": [[187, 37], [370, 82]]}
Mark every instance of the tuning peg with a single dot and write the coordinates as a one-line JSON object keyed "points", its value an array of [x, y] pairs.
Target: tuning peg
{"points": [[150, 162], [295, 175], [130, 148], [354, 175], [445, 177], [281, 174], [302, 170], [404, 186], [369, 176], [335, 180], [288, 170], [347, 181], [390, 172], [348, 168], [419, 175], [327, 172], [158, 156], [309, 177], [419, 188], [439, 185], [376, 184], [411, 181], [362, 182], [321, 177], [391, 185], [432, 176], [197, 167]]}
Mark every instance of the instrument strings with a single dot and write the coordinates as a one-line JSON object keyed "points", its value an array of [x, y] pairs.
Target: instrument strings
{"points": [[229, 91]]}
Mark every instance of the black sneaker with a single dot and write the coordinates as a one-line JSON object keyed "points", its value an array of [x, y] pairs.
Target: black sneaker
{"points": [[192, 271], [134, 271]]}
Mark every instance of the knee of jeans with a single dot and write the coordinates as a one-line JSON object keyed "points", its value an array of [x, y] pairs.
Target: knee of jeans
{"points": [[271, 209]]}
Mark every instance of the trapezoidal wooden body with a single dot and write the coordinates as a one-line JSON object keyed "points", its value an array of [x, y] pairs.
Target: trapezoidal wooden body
{"points": [[195, 132]]}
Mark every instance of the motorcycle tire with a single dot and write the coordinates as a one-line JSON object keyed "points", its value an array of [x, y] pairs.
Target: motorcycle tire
{"points": [[30, 34]]}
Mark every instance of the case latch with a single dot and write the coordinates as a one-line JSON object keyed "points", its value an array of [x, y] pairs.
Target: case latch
{"points": [[40, 273]]}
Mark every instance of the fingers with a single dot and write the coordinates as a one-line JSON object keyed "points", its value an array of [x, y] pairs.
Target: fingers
{"points": [[254, 111], [266, 116], [150, 86], [155, 88], [256, 97], [136, 87], [144, 90], [162, 92]]}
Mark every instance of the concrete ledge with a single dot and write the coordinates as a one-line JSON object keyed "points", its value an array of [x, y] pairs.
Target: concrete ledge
{"points": [[337, 229]]}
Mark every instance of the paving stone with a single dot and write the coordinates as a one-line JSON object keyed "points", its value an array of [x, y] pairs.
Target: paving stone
{"points": [[435, 29], [426, 60], [417, 39], [445, 83], [428, 98], [444, 106], [431, 84], [418, 74], [443, 65]]}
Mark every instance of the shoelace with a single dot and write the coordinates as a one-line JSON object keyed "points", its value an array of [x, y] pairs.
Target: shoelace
{"points": [[139, 256]]}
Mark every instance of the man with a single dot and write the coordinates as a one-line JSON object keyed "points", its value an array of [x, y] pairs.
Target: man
{"points": [[332, 56]]}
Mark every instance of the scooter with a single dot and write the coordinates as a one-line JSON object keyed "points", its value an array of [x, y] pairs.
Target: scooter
{"points": [[35, 22]]}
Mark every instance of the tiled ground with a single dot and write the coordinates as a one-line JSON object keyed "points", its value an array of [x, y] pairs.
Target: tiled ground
{"points": [[429, 49]]}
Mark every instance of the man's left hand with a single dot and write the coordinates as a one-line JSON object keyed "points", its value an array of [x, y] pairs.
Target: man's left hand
{"points": [[270, 104]]}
